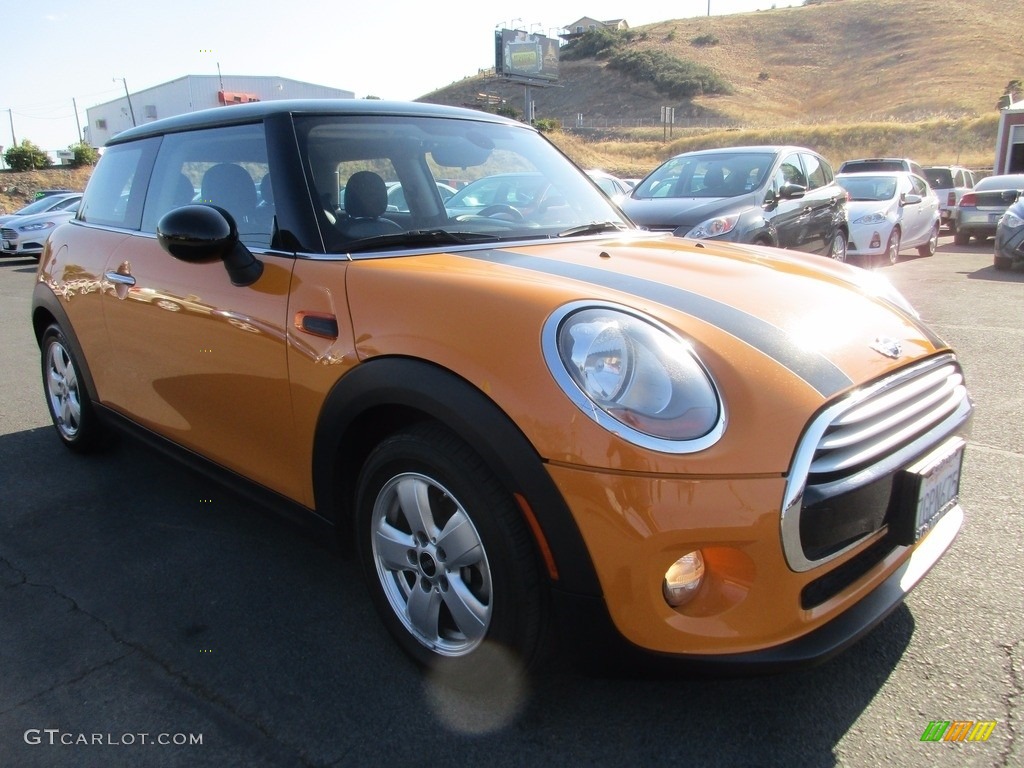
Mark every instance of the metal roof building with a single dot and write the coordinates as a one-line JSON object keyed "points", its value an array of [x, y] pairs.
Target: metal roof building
{"points": [[192, 93]]}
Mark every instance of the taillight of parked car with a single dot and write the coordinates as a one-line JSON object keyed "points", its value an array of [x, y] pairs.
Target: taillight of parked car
{"points": [[951, 199], [969, 200]]}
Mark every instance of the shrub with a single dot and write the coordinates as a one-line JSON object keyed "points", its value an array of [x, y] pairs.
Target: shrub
{"points": [[84, 154], [26, 157], [593, 44], [763, 75], [670, 76], [547, 124], [707, 39]]}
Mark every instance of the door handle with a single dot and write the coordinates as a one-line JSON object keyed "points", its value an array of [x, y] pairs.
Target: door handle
{"points": [[120, 279]]}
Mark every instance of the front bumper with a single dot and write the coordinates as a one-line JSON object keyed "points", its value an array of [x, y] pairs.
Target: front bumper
{"points": [[588, 629], [1010, 244]]}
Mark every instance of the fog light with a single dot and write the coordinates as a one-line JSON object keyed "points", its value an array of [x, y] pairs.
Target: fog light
{"points": [[683, 579], [876, 240]]}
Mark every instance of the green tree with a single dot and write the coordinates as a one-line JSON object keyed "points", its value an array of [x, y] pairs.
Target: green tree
{"points": [[26, 157], [84, 154]]}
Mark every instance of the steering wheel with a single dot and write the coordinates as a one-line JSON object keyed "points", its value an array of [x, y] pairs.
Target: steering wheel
{"points": [[501, 208]]}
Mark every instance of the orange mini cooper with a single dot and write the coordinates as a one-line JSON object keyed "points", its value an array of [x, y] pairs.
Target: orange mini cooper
{"points": [[531, 420]]}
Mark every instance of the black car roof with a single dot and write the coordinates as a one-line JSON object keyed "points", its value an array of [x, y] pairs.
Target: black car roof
{"points": [[247, 113]]}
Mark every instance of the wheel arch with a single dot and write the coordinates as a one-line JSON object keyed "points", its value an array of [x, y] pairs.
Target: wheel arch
{"points": [[46, 310], [385, 395]]}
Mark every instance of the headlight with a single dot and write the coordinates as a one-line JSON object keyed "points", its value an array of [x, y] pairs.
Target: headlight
{"points": [[633, 376], [719, 225], [37, 227], [1010, 221], [871, 218]]}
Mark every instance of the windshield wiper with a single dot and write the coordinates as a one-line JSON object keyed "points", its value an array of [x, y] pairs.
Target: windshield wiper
{"points": [[420, 237], [594, 228]]}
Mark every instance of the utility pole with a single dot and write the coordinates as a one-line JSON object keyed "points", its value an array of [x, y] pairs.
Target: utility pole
{"points": [[14, 139], [78, 123], [127, 96]]}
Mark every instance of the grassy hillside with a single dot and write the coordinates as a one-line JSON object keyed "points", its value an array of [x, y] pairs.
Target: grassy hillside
{"points": [[18, 189], [847, 77]]}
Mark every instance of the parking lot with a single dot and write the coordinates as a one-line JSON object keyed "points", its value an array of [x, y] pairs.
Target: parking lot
{"points": [[182, 626]]}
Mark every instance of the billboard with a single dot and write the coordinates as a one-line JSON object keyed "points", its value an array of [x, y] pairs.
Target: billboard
{"points": [[523, 56]]}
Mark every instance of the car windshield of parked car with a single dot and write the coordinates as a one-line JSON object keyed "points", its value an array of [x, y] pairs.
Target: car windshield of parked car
{"points": [[869, 188], [512, 183], [707, 175], [41, 205]]}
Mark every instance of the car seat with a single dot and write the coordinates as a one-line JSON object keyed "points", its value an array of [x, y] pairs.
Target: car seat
{"points": [[366, 198]]}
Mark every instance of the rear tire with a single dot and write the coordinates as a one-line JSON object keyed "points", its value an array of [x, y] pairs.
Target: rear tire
{"points": [[450, 564], [67, 396], [961, 238], [1001, 263], [929, 248]]}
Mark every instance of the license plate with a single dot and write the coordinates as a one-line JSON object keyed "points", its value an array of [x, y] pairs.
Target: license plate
{"points": [[937, 482]]}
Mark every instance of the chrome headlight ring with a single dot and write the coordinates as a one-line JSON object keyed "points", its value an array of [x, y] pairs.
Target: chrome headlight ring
{"points": [[634, 376]]}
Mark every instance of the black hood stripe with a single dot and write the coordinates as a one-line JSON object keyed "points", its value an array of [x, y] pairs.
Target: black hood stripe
{"points": [[812, 367]]}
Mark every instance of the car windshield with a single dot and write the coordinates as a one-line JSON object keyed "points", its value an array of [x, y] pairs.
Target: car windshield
{"points": [[939, 178], [868, 188], [389, 182], [720, 174], [40, 206]]}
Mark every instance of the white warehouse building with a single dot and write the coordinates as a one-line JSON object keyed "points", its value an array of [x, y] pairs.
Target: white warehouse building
{"points": [[192, 93]]}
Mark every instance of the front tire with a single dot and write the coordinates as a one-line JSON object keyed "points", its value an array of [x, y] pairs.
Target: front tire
{"points": [[837, 249], [892, 248], [67, 396], [448, 559], [1001, 263], [929, 248]]}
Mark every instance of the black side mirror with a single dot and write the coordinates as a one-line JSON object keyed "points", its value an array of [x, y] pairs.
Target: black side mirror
{"points": [[791, 191], [203, 233]]}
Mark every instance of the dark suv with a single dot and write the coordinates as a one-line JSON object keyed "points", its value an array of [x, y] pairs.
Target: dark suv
{"points": [[882, 164], [781, 196]]}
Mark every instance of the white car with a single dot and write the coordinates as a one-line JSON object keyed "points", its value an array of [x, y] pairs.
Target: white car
{"points": [[889, 211], [614, 187], [25, 235]]}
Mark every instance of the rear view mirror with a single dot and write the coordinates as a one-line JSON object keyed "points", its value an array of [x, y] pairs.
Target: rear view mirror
{"points": [[463, 151]]}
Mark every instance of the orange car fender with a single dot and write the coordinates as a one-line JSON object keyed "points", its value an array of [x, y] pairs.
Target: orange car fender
{"points": [[386, 394]]}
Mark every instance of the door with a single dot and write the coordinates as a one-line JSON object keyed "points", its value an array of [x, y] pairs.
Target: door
{"points": [[202, 361]]}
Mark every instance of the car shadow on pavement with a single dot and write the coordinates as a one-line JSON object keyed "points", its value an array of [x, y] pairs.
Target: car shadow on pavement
{"points": [[136, 596], [26, 265]]}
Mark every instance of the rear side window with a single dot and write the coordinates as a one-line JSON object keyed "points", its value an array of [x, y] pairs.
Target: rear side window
{"points": [[117, 187], [818, 174]]}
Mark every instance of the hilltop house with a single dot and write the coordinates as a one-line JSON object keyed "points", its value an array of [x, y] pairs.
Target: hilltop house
{"points": [[581, 26]]}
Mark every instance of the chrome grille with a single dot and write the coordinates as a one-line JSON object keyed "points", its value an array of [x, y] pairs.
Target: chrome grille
{"points": [[863, 439], [8, 234], [888, 419]]}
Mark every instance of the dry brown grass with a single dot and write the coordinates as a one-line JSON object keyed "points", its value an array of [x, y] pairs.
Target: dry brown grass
{"points": [[18, 189], [850, 78]]}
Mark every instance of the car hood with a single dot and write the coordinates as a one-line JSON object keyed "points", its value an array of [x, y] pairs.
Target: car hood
{"points": [[673, 212], [857, 208], [782, 333], [58, 217]]}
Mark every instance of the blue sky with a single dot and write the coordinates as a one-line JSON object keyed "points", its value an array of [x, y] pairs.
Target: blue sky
{"points": [[58, 51]]}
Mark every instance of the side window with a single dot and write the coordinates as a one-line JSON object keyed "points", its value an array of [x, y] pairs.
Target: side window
{"points": [[225, 167], [117, 188], [920, 187], [816, 174], [790, 172]]}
